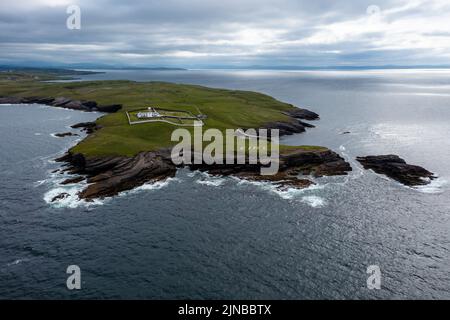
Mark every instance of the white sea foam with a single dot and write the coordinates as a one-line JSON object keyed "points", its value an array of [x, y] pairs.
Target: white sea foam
{"points": [[16, 262], [40, 182], [71, 200], [436, 186], [71, 191], [214, 182], [314, 201], [154, 185], [284, 193], [207, 179]]}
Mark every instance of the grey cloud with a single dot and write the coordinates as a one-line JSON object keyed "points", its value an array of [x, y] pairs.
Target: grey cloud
{"points": [[201, 32]]}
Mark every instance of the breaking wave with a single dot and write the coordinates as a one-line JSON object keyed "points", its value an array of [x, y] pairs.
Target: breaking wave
{"points": [[436, 186], [314, 201], [291, 193]]}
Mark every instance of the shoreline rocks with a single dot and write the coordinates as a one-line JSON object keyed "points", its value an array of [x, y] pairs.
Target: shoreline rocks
{"points": [[88, 127], [396, 168], [65, 134], [297, 125], [108, 176]]}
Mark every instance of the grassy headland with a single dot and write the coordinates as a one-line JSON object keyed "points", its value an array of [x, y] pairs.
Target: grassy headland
{"points": [[226, 109]]}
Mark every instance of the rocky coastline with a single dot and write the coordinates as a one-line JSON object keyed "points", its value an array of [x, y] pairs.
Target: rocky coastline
{"points": [[107, 176]]}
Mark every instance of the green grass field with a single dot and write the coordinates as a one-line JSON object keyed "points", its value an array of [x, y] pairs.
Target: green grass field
{"points": [[226, 109]]}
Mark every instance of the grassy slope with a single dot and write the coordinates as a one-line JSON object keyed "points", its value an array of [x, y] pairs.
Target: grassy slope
{"points": [[226, 109]]}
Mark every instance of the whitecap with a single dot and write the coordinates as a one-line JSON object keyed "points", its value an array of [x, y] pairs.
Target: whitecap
{"points": [[192, 174], [284, 193], [40, 182], [314, 201], [16, 262], [153, 185], [214, 182], [71, 200], [435, 186]]}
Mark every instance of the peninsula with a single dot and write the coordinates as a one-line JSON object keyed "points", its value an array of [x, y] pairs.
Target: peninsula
{"points": [[116, 156]]}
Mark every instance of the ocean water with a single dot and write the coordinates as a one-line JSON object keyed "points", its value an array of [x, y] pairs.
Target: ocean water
{"points": [[202, 237]]}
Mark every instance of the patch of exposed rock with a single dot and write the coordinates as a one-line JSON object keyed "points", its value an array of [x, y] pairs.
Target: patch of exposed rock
{"points": [[88, 127], [73, 180], [65, 134], [302, 114], [396, 168], [108, 176], [296, 125], [60, 197]]}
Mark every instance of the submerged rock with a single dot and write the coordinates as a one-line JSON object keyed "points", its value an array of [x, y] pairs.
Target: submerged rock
{"points": [[61, 196], [65, 134], [396, 168]]}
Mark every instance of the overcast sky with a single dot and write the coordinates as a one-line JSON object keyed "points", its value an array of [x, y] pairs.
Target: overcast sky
{"points": [[201, 33]]}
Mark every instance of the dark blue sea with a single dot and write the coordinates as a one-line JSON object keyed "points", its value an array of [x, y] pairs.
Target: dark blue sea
{"points": [[200, 237]]}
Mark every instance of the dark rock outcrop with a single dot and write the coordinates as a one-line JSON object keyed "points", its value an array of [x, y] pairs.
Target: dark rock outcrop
{"points": [[319, 163], [303, 114], [110, 108], [60, 102], [88, 127], [296, 125], [10, 100], [37, 100], [65, 134], [73, 180], [286, 128], [396, 168], [61, 196], [107, 176]]}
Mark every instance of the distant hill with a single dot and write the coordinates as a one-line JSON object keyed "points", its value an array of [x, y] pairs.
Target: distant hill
{"points": [[51, 71]]}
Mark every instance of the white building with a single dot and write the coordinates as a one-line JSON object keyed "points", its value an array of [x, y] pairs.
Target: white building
{"points": [[149, 114]]}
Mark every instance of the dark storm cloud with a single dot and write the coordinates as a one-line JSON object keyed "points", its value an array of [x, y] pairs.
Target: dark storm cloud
{"points": [[200, 32]]}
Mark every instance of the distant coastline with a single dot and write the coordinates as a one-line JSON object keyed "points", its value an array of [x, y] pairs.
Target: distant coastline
{"points": [[99, 67]]}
